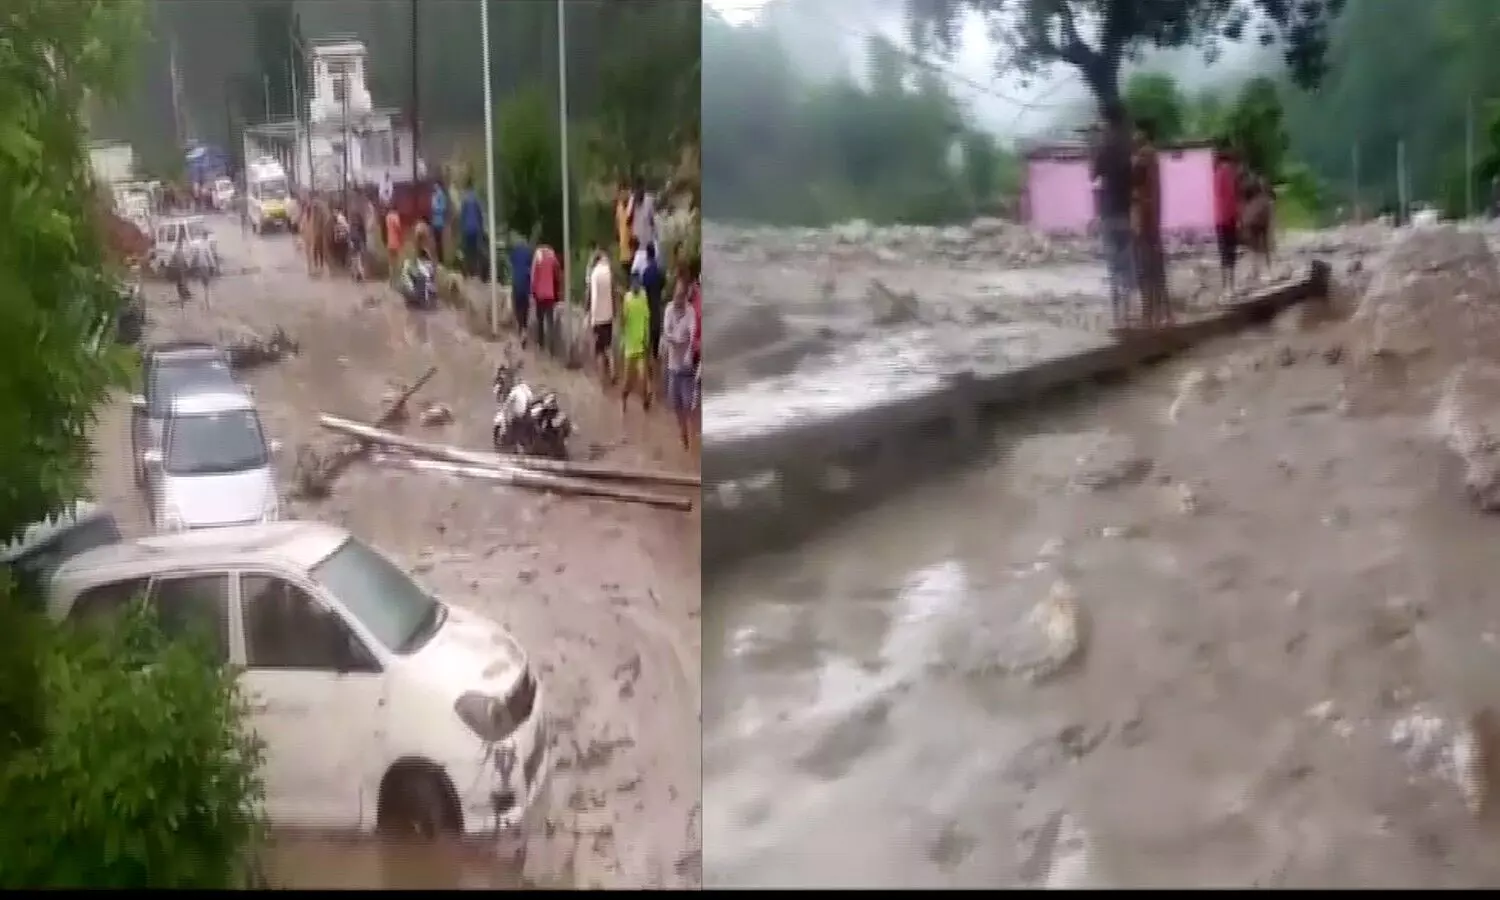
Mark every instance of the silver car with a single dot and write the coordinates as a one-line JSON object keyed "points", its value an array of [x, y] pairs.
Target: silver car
{"points": [[214, 465], [169, 369]]}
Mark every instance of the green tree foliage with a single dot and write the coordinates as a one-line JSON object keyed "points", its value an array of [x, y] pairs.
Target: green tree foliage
{"points": [[143, 779], [1255, 127], [119, 765], [1154, 97], [894, 146], [1096, 38], [527, 175]]}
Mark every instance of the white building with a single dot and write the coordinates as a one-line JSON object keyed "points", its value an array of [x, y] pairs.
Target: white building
{"points": [[340, 127]]}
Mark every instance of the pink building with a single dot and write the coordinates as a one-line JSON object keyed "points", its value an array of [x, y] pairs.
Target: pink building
{"points": [[1058, 197]]}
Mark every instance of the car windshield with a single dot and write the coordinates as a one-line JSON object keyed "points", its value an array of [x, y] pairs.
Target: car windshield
{"points": [[214, 443], [170, 378], [383, 598], [273, 189]]}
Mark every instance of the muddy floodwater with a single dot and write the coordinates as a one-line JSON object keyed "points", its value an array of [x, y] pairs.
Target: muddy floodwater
{"points": [[1207, 630]]}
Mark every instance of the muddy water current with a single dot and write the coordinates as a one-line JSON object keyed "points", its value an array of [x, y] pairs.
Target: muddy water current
{"points": [[1259, 590]]}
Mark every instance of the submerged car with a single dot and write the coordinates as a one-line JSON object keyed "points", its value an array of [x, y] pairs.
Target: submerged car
{"points": [[213, 466], [380, 706], [168, 369]]}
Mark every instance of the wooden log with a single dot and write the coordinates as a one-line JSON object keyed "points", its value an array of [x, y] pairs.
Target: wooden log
{"points": [[580, 487], [484, 458], [346, 455]]}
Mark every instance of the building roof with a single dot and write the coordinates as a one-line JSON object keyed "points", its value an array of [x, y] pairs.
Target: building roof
{"points": [[1073, 150]]}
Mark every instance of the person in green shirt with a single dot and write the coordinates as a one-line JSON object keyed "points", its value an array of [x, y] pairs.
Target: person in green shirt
{"points": [[635, 338]]}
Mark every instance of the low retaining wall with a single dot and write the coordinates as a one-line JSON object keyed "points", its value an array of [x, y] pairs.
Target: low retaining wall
{"points": [[574, 341], [768, 490]]}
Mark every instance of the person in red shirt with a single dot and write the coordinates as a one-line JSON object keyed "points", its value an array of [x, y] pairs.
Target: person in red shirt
{"points": [[1227, 213], [546, 277]]}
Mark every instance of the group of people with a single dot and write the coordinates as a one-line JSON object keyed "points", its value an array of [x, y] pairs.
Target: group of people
{"points": [[659, 340], [1127, 181], [1127, 184]]}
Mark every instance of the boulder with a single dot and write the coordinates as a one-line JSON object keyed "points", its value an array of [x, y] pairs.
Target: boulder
{"points": [[1467, 421]]}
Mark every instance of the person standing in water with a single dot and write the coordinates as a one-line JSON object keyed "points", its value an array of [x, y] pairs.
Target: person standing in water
{"points": [[678, 337]]}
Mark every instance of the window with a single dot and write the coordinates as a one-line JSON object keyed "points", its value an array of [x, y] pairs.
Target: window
{"points": [[106, 601], [382, 597], [195, 607], [285, 628], [215, 443]]}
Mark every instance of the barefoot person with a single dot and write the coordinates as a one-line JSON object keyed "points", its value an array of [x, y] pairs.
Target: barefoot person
{"points": [[678, 335], [635, 340]]}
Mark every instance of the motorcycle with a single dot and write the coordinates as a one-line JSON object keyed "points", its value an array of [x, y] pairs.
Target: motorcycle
{"points": [[419, 284], [527, 422]]}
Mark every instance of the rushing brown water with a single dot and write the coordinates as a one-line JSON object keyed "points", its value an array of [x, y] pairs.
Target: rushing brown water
{"points": [[1265, 588]]}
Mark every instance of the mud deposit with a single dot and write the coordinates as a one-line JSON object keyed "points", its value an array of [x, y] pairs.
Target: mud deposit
{"points": [[1209, 630], [604, 596]]}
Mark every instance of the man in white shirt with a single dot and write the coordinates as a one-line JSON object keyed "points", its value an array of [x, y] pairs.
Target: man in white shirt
{"points": [[602, 312]]}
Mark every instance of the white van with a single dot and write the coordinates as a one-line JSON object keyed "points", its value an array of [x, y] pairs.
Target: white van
{"points": [[268, 199]]}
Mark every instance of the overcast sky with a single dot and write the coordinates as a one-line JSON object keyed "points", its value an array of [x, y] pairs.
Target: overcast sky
{"points": [[1009, 105]]}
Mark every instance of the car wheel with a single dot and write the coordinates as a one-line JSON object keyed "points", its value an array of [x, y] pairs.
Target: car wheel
{"points": [[418, 803]]}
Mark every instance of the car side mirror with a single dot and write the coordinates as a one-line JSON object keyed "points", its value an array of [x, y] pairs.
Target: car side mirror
{"points": [[152, 458], [137, 402]]}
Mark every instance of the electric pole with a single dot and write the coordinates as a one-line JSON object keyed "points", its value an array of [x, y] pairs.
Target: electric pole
{"points": [[416, 94]]}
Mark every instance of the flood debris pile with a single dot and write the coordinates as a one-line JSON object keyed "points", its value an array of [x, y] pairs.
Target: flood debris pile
{"points": [[316, 468], [1425, 339], [251, 350]]}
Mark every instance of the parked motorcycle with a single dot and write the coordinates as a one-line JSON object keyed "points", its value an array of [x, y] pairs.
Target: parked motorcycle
{"points": [[419, 284], [527, 422]]}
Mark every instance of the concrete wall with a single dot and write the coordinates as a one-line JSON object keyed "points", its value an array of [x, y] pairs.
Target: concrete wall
{"points": [[766, 491], [1059, 196]]}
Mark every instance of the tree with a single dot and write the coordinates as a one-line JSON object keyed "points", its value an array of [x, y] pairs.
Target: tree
{"points": [[1096, 38], [526, 171], [122, 763], [1255, 127], [1155, 98], [1038, 33]]}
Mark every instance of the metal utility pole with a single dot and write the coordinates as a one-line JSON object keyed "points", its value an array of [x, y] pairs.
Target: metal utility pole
{"points": [[344, 168], [265, 82], [1469, 159], [489, 161], [562, 120], [416, 93], [291, 65], [1354, 164], [1401, 187]]}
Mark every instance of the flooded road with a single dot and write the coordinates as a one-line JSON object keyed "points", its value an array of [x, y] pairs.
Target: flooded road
{"points": [[1200, 632], [603, 596]]}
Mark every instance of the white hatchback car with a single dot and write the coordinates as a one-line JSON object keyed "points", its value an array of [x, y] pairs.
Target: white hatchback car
{"points": [[380, 706]]}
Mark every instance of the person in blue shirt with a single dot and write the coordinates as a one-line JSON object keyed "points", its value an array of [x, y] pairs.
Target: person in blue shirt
{"points": [[520, 283], [438, 215], [654, 283], [471, 228]]}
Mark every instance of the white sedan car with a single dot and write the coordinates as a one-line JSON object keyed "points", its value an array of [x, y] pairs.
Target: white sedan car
{"points": [[381, 707]]}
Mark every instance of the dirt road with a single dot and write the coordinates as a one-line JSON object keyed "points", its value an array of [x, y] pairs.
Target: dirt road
{"points": [[1284, 617], [604, 596]]}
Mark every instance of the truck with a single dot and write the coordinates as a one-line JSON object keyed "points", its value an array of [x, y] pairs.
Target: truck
{"points": [[268, 201], [112, 162]]}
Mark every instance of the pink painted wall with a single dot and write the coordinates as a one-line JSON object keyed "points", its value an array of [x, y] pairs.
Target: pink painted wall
{"points": [[1060, 196]]}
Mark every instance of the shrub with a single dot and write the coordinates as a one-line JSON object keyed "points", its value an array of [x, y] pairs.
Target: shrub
{"points": [[144, 776]]}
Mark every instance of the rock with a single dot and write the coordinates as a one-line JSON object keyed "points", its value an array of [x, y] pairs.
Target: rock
{"points": [[249, 351], [1088, 460], [1432, 305], [888, 307], [743, 329], [1467, 422]]}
